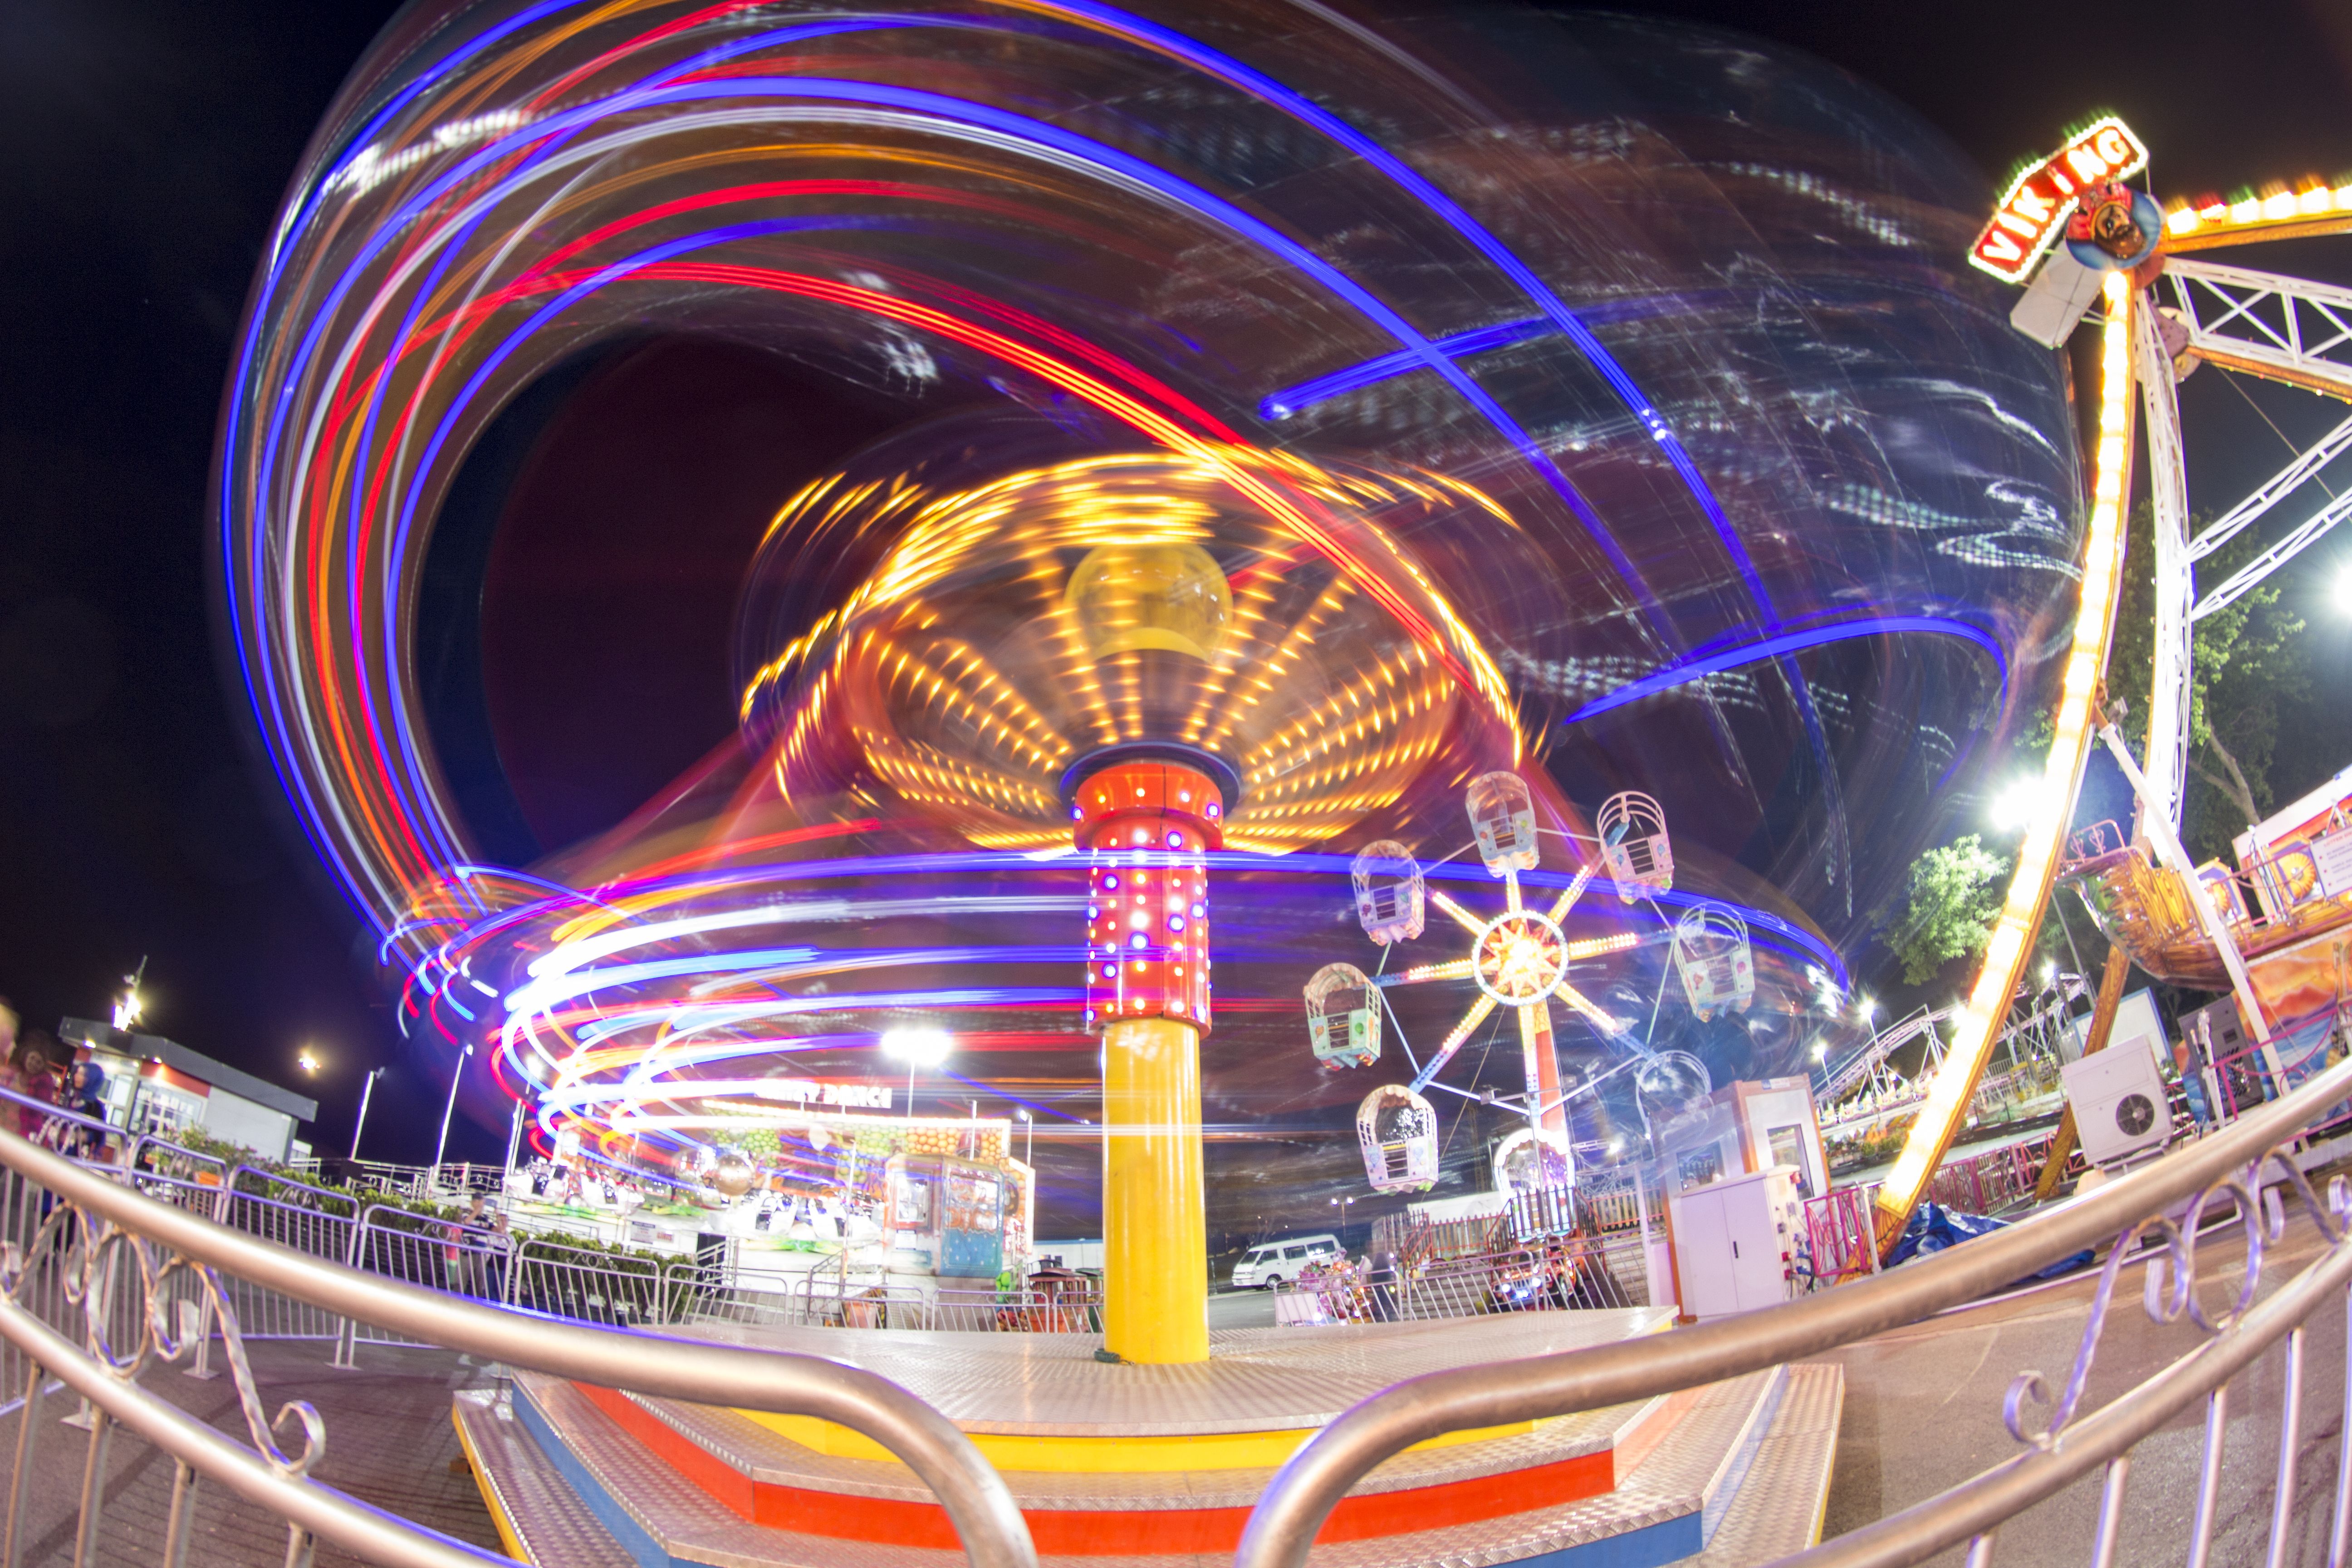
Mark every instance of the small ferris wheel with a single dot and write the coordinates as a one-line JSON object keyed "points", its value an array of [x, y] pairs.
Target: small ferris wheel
{"points": [[1519, 959]]}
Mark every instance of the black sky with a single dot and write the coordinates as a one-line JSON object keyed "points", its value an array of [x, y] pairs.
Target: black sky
{"points": [[146, 145]]}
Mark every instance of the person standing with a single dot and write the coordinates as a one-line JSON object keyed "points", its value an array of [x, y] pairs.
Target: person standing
{"points": [[465, 1252], [31, 1073], [87, 1096]]}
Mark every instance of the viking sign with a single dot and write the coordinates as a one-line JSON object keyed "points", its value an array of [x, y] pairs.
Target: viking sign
{"points": [[2042, 198]]}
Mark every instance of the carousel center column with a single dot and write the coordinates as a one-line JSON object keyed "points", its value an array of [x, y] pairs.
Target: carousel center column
{"points": [[1149, 821]]}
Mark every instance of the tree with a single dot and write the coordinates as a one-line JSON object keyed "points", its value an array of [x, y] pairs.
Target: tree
{"points": [[2250, 670], [1954, 899]]}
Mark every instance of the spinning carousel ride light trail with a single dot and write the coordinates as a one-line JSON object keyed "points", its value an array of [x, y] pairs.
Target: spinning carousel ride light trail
{"points": [[1566, 505]]}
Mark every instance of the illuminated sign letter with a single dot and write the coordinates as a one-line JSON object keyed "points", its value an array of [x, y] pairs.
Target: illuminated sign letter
{"points": [[2034, 210]]}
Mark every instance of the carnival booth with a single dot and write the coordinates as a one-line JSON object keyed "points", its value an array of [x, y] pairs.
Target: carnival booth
{"points": [[946, 1216]]}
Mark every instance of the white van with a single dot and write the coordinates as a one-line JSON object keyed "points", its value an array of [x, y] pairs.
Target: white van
{"points": [[1272, 1264]]}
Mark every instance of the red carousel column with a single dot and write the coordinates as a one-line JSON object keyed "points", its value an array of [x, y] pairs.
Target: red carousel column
{"points": [[1150, 823]]}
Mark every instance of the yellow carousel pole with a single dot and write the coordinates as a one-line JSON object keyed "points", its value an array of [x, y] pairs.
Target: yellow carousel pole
{"points": [[1148, 820], [1155, 1240]]}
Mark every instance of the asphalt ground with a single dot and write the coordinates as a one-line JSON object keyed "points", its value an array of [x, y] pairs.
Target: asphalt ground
{"points": [[1241, 1309]]}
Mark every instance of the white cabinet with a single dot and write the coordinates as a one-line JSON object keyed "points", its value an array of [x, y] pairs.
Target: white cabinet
{"points": [[1735, 1242]]}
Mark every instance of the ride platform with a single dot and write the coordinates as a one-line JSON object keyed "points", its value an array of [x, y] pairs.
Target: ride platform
{"points": [[1161, 1465]]}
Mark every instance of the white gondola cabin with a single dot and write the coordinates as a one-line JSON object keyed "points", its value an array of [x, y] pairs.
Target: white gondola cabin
{"points": [[1503, 816], [1633, 844], [1712, 954], [1531, 1159], [1398, 1130], [1390, 901], [1343, 1016]]}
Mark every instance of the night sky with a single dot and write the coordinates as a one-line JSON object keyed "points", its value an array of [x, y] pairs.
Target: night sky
{"points": [[147, 145]]}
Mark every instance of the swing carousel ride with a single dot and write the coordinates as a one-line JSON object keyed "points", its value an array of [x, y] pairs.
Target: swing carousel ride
{"points": [[1266, 437]]}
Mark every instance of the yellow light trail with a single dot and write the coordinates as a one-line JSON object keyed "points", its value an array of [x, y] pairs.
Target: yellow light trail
{"points": [[1955, 1082]]}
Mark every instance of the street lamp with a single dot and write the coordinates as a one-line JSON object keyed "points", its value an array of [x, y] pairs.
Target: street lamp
{"points": [[2012, 808], [442, 1147], [1028, 1136], [916, 1048], [130, 1005], [306, 1060]]}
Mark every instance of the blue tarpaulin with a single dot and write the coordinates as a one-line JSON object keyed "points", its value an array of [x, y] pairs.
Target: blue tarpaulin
{"points": [[1934, 1227]]}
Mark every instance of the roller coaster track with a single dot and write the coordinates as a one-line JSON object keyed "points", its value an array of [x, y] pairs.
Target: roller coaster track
{"points": [[2039, 1026]]}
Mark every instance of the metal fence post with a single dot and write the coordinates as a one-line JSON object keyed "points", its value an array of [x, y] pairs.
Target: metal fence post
{"points": [[93, 1489], [346, 1356], [20, 1490], [203, 1368]]}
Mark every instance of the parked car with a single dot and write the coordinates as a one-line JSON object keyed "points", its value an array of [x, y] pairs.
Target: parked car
{"points": [[1272, 1264]]}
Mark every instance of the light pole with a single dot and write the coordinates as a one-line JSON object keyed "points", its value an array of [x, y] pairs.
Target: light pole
{"points": [[367, 1089], [916, 1048], [130, 1005], [442, 1147], [1028, 1136], [514, 1136]]}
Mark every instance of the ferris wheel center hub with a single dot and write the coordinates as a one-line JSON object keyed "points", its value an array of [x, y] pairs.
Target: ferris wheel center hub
{"points": [[1519, 958]]}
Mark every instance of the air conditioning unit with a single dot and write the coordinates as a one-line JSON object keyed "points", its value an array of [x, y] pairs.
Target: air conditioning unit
{"points": [[2120, 1101]]}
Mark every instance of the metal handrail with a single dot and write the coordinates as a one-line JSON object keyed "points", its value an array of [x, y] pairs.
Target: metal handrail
{"points": [[1980, 1506], [1304, 1492], [372, 1533], [978, 1503]]}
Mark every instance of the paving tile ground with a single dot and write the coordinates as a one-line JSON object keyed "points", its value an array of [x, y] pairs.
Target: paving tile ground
{"points": [[1922, 1413], [389, 1443]]}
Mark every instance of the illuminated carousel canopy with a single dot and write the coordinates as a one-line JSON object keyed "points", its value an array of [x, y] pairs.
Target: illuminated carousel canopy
{"points": [[1338, 413]]}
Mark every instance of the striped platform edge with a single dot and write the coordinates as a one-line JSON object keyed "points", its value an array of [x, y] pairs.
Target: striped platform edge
{"points": [[554, 1466]]}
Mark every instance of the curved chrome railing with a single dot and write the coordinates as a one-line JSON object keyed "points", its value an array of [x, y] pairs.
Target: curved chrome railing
{"points": [[1305, 1490], [115, 1237]]}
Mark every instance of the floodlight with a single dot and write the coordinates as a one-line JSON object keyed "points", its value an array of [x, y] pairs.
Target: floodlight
{"points": [[918, 1048]]}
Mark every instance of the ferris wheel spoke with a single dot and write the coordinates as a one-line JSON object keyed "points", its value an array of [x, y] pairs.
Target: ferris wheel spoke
{"points": [[1594, 946], [1583, 1004], [1511, 889], [1452, 969], [1460, 1032], [1462, 917], [1574, 891]]}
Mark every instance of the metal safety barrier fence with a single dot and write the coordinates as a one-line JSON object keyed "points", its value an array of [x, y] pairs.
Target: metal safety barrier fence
{"points": [[1992, 1182], [1841, 1240], [87, 1280], [2170, 1201], [1571, 1273], [873, 1302]]}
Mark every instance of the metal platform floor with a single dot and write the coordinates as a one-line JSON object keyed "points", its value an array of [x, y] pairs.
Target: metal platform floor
{"points": [[1255, 1380], [1746, 1468]]}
